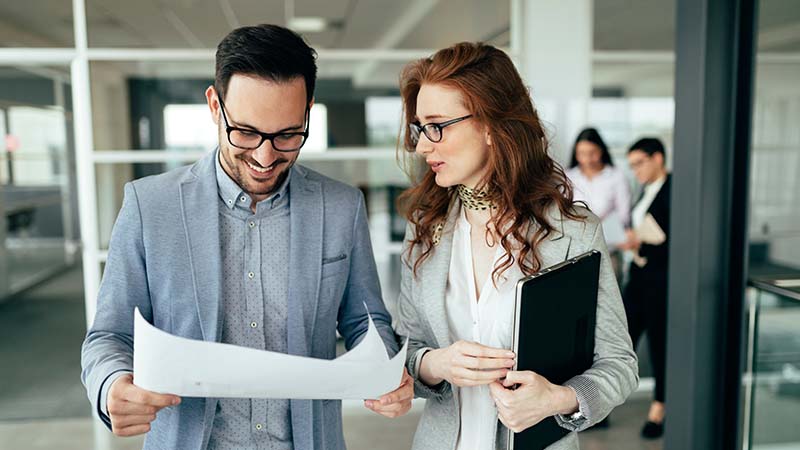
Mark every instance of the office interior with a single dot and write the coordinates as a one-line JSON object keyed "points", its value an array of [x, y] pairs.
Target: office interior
{"points": [[96, 93]]}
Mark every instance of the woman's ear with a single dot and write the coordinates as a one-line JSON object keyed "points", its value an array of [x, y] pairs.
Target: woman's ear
{"points": [[488, 137]]}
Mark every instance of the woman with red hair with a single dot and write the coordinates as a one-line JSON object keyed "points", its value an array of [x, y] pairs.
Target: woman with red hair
{"points": [[488, 207]]}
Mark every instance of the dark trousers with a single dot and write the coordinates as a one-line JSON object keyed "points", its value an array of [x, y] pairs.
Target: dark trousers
{"points": [[645, 299]]}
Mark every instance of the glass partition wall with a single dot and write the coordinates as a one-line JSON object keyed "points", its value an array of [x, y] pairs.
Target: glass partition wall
{"points": [[771, 382], [38, 230], [138, 73]]}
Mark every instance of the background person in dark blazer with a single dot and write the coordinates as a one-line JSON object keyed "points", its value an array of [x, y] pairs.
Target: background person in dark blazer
{"points": [[645, 295]]}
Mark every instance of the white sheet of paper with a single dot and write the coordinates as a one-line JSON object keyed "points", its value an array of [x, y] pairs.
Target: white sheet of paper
{"points": [[189, 368], [649, 232], [613, 230]]}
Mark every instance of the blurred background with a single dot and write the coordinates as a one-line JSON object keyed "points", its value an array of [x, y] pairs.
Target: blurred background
{"points": [[95, 93]]}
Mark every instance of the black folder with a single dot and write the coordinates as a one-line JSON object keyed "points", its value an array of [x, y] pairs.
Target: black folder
{"points": [[554, 321]]}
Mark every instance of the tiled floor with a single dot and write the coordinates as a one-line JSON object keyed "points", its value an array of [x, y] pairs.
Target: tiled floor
{"points": [[41, 332], [43, 404], [362, 430]]}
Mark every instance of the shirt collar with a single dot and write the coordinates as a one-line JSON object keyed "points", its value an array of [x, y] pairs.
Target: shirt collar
{"points": [[233, 195], [655, 186]]}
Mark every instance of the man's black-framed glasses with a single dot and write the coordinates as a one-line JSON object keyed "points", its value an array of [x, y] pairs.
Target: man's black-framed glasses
{"points": [[433, 131], [249, 139]]}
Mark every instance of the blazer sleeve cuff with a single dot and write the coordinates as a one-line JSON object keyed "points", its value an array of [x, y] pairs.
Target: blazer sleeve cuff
{"points": [[102, 399], [421, 389], [583, 392]]}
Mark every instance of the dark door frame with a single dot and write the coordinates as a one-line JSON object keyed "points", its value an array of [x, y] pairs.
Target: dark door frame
{"points": [[715, 54]]}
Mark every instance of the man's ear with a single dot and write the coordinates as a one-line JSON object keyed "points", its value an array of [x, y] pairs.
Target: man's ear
{"points": [[659, 159], [213, 103]]}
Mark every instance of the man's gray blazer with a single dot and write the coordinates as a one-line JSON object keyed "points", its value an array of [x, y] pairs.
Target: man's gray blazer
{"points": [[422, 316], [164, 257]]}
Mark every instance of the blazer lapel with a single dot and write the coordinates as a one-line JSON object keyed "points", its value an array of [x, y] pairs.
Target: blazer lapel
{"points": [[305, 270], [556, 247], [433, 279], [305, 260], [199, 200]]}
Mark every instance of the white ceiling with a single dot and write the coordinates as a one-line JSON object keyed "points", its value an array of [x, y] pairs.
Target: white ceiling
{"points": [[644, 25], [619, 24], [202, 23]]}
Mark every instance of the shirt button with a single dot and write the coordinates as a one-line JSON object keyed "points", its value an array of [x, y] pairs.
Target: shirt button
{"points": [[252, 224], [250, 275], [259, 426], [230, 201], [253, 324], [242, 198]]}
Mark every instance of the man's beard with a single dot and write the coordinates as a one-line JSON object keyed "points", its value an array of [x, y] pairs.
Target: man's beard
{"points": [[243, 180]]}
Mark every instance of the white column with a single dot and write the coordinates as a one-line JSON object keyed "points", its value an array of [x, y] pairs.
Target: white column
{"points": [[84, 146], [87, 189], [552, 40]]}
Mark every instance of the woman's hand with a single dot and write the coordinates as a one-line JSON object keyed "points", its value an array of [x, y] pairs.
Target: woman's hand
{"points": [[534, 400], [465, 364]]}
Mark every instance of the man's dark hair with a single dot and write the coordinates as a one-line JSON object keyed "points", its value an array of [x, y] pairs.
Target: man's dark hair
{"points": [[651, 146], [267, 51]]}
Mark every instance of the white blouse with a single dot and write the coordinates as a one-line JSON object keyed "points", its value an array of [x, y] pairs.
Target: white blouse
{"points": [[486, 320], [607, 194], [650, 192]]}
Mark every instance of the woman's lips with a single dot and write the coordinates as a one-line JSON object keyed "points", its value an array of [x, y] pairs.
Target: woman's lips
{"points": [[436, 166]]}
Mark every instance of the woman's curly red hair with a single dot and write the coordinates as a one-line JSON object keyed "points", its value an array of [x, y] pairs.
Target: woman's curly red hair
{"points": [[523, 180]]}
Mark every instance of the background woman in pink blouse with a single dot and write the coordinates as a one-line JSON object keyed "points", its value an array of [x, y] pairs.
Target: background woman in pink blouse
{"points": [[603, 188]]}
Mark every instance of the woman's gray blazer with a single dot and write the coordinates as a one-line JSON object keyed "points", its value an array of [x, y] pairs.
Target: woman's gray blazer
{"points": [[422, 317]]}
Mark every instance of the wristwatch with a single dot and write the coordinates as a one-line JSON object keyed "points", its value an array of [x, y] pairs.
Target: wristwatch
{"points": [[576, 416]]}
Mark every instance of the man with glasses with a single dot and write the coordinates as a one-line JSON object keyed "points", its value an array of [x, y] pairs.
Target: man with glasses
{"points": [[244, 247], [645, 295]]}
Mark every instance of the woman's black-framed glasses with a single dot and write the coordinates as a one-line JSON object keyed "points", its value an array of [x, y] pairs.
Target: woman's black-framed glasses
{"points": [[433, 131], [248, 139]]}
